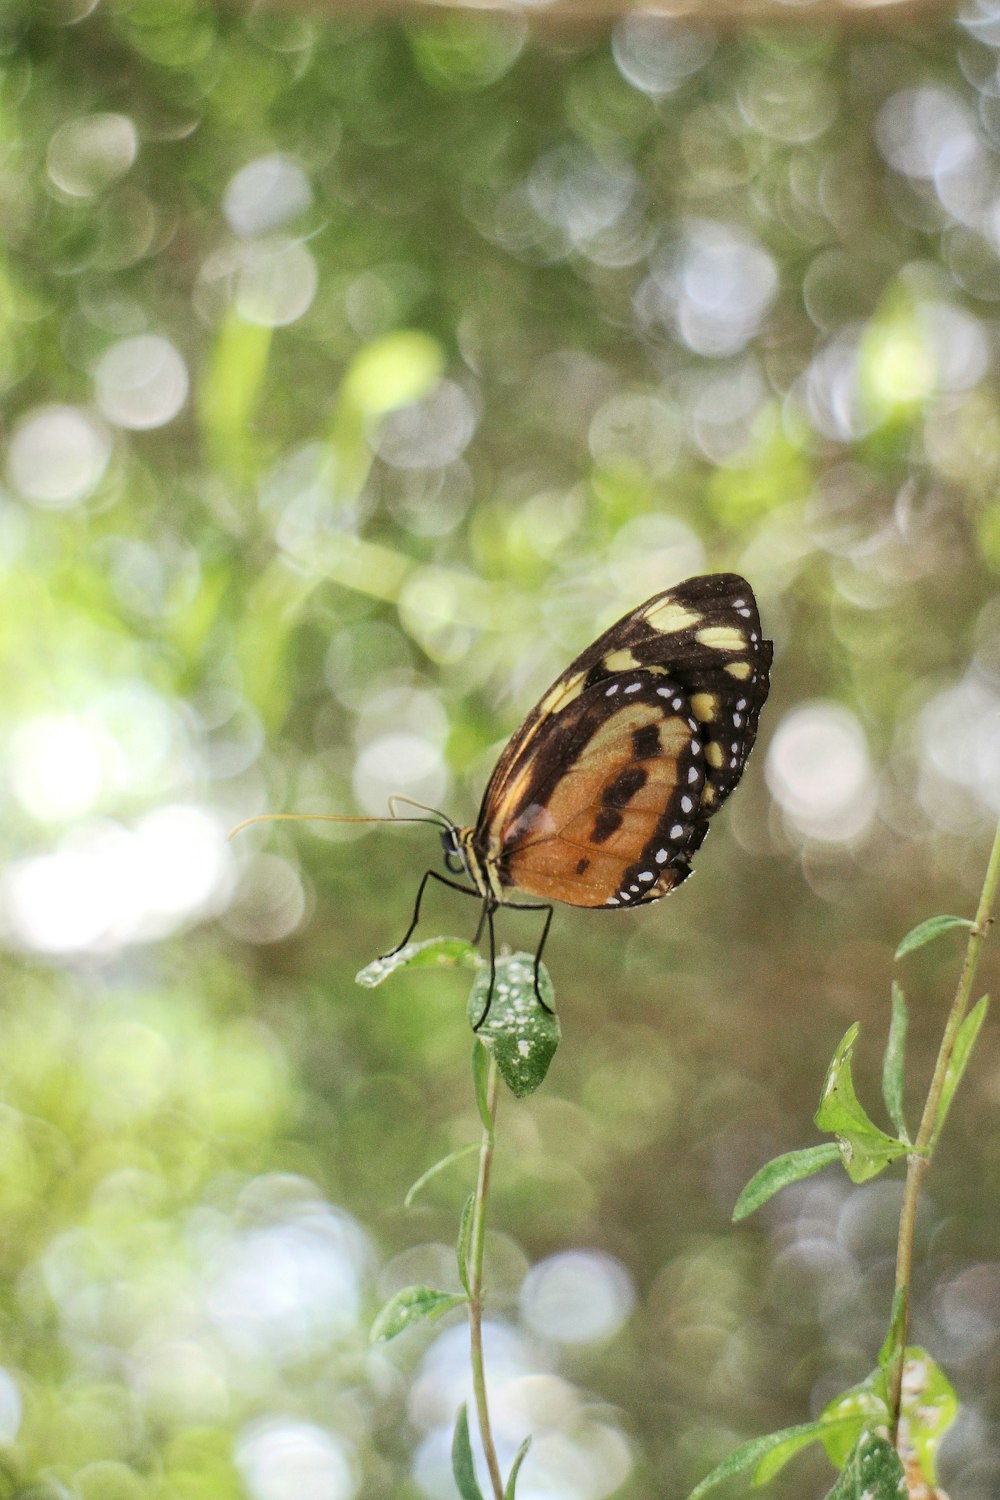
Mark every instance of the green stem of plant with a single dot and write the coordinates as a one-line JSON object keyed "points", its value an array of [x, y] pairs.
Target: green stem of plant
{"points": [[920, 1160], [477, 1244]]}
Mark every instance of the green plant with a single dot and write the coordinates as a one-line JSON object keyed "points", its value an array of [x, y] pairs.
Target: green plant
{"points": [[882, 1434], [516, 1042]]}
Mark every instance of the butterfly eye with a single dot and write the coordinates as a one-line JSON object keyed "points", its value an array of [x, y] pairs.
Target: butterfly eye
{"points": [[452, 857]]}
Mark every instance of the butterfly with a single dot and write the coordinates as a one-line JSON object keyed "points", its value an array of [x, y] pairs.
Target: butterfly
{"points": [[604, 794]]}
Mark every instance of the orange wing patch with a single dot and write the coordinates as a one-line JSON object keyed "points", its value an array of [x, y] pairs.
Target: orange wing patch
{"points": [[620, 796]]}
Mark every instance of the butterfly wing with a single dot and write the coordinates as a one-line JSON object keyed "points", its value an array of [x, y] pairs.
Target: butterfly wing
{"points": [[604, 793]]}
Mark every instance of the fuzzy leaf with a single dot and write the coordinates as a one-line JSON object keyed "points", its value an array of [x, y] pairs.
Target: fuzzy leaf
{"points": [[893, 1063], [873, 1472], [964, 1043], [864, 1149], [750, 1455], [926, 932], [779, 1456], [857, 1410], [462, 1246], [929, 1407], [414, 1304], [519, 1457], [463, 1466], [778, 1173], [437, 953], [519, 1034]]}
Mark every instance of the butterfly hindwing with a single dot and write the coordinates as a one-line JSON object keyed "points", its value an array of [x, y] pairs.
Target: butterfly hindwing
{"points": [[603, 795]]}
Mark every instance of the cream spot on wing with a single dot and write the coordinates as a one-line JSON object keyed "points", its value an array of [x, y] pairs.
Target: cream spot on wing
{"points": [[721, 638], [713, 754], [668, 617], [738, 669], [620, 661], [708, 795], [562, 693], [703, 705]]}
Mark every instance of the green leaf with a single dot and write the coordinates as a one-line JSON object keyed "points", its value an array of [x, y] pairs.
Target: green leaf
{"points": [[439, 1166], [776, 1174], [896, 1331], [414, 1304], [893, 1063], [779, 1455], [436, 953], [462, 1465], [865, 1150], [462, 1246], [926, 932], [750, 1455], [521, 1036], [873, 1472], [864, 1407], [480, 1082], [964, 1043], [929, 1407], [519, 1457]]}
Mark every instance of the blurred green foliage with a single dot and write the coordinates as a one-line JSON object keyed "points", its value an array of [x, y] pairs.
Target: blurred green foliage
{"points": [[354, 375]]}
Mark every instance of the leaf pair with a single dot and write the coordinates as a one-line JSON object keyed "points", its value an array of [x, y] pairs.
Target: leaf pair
{"points": [[852, 1429], [858, 1143], [463, 1466], [862, 1147], [519, 1033]]}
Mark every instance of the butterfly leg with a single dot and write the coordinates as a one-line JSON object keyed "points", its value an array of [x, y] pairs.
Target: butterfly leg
{"points": [[486, 917], [428, 875], [532, 906]]}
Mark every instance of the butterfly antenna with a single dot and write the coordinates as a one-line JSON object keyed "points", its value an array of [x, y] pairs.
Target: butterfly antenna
{"points": [[436, 816], [327, 818]]}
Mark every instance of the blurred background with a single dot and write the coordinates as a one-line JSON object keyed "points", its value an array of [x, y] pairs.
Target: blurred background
{"points": [[355, 372]]}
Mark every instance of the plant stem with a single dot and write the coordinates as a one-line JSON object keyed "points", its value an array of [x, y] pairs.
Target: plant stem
{"points": [[920, 1160], [476, 1254]]}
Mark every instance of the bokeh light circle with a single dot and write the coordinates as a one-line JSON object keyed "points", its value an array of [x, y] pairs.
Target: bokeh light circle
{"points": [[820, 774], [141, 382], [577, 1297], [57, 456]]}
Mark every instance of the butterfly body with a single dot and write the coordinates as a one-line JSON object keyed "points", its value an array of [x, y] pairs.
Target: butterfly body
{"points": [[604, 794]]}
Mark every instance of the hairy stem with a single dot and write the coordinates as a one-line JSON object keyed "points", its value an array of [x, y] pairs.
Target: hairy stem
{"points": [[477, 1245], [920, 1160]]}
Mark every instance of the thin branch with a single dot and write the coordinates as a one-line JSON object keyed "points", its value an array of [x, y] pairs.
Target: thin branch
{"points": [[918, 1163], [476, 1257]]}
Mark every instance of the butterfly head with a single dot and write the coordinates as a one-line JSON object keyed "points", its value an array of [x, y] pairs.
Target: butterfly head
{"points": [[462, 857]]}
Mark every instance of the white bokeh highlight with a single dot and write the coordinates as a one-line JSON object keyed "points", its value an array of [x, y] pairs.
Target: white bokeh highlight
{"points": [[820, 774]]}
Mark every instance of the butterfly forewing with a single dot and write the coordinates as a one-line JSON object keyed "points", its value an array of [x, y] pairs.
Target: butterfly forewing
{"points": [[603, 795]]}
